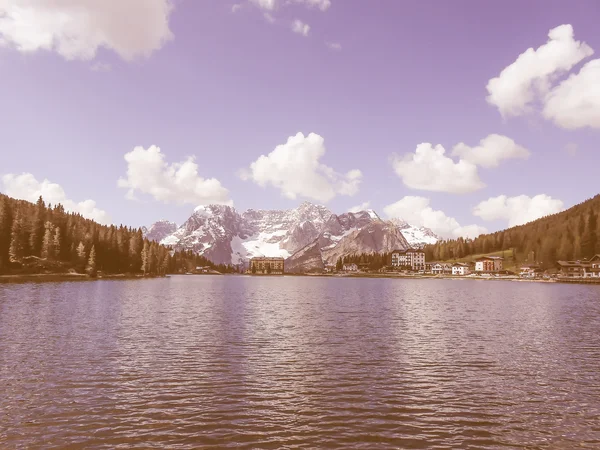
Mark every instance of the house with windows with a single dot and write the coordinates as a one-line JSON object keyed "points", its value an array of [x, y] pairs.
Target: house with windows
{"points": [[594, 269], [589, 268], [441, 268], [488, 264], [409, 259], [266, 266], [460, 269]]}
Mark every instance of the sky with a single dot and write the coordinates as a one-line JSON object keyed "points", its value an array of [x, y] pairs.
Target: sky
{"points": [[461, 116]]}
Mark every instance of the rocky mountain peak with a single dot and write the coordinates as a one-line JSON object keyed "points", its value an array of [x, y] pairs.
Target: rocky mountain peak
{"points": [[223, 235]]}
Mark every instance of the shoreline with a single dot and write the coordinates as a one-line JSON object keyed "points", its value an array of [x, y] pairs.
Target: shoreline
{"points": [[451, 277], [58, 277], [62, 277]]}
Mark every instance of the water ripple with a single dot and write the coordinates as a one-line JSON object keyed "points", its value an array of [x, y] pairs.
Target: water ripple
{"points": [[284, 362]]}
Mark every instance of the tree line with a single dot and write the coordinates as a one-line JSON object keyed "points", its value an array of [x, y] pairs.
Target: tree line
{"points": [[374, 261], [570, 235], [36, 236]]}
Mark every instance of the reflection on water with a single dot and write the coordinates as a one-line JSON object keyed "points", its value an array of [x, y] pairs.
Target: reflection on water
{"points": [[296, 362]]}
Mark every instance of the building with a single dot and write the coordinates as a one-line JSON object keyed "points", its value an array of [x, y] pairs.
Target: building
{"points": [[580, 269], [350, 267], [409, 259], [530, 271], [461, 269], [488, 264], [441, 268], [594, 270], [266, 266], [571, 269], [329, 268]]}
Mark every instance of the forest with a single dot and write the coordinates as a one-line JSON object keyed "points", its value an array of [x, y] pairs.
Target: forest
{"points": [[40, 238]]}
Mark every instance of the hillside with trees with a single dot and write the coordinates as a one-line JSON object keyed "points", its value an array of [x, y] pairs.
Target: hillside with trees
{"points": [[569, 235], [40, 238]]}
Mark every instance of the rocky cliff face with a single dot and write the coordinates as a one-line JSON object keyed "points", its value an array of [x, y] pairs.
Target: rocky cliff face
{"points": [[348, 235], [159, 230], [309, 236]]}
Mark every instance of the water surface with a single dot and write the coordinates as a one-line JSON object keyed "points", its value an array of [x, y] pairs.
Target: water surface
{"points": [[298, 362]]}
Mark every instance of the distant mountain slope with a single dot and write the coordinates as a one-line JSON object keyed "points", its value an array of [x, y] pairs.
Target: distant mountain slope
{"points": [[376, 236], [159, 230], [571, 234], [226, 236]]}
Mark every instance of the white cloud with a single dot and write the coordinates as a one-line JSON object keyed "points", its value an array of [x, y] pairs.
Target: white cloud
{"points": [[417, 212], [268, 5], [490, 151], [513, 91], [179, 183], [26, 187], [518, 210], [358, 208], [272, 5], [300, 27], [334, 46], [235, 8], [430, 169], [295, 169], [323, 5], [575, 103], [76, 29]]}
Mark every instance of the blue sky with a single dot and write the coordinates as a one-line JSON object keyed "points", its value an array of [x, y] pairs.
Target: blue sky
{"points": [[229, 82]]}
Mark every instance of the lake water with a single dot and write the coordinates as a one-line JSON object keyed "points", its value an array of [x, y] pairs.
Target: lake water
{"points": [[297, 362]]}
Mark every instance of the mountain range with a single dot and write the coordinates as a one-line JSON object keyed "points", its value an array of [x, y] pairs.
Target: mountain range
{"points": [[308, 237]]}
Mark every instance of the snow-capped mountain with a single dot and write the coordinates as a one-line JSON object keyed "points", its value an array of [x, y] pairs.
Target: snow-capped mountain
{"points": [[159, 230], [309, 236], [417, 237]]}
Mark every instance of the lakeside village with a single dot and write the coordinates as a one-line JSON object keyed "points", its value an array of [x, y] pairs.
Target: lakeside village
{"points": [[412, 262]]}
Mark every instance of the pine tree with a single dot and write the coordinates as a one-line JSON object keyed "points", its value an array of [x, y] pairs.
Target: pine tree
{"points": [[91, 265], [37, 229], [152, 259], [48, 242], [145, 258], [590, 238], [164, 266], [81, 257], [81, 251], [17, 240], [56, 243]]}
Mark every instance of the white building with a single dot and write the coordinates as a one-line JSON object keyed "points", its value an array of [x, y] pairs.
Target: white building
{"points": [[460, 269], [594, 270], [409, 259], [350, 267], [441, 268], [489, 264]]}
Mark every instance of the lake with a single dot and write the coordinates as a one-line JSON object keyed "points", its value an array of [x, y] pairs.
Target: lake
{"points": [[299, 362]]}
